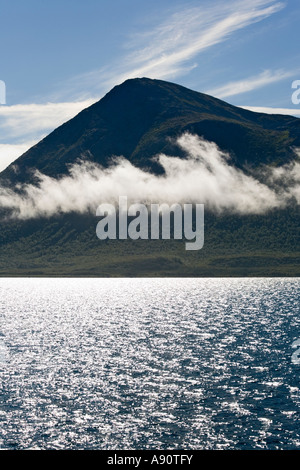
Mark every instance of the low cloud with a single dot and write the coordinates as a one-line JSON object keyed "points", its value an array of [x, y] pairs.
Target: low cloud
{"points": [[205, 176], [287, 177]]}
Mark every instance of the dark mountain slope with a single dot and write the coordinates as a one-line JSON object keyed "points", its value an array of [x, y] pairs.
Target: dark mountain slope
{"points": [[137, 118]]}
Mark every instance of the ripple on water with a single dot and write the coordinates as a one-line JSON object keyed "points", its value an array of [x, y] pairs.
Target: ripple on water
{"points": [[149, 363]]}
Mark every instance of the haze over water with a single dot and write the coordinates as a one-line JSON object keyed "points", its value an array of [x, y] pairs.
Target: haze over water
{"points": [[149, 363]]}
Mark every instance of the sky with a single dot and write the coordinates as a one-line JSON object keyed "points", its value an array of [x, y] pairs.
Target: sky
{"points": [[59, 57]]}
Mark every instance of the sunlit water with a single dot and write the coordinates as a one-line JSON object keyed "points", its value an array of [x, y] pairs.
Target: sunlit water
{"points": [[149, 364]]}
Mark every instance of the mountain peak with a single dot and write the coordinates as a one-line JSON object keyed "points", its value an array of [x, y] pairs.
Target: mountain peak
{"points": [[137, 118]]}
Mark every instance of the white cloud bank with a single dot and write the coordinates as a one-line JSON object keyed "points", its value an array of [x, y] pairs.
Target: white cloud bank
{"points": [[205, 176]]}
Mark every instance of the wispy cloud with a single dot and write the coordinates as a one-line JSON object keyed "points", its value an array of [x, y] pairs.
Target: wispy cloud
{"points": [[269, 110], [252, 83], [187, 33], [171, 48]]}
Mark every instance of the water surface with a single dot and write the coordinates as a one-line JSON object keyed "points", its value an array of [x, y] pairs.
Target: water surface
{"points": [[149, 364]]}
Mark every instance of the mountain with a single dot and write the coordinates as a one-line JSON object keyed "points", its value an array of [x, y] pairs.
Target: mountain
{"points": [[138, 120]]}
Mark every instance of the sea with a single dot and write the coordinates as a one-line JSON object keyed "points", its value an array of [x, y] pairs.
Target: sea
{"points": [[159, 363]]}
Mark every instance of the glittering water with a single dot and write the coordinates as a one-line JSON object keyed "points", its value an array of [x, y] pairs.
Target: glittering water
{"points": [[149, 363]]}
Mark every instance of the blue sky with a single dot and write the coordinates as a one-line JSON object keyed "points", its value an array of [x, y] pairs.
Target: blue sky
{"points": [[61, 56]]}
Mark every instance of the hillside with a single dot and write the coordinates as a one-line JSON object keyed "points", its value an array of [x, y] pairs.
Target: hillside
{"points": [[137, 120]]}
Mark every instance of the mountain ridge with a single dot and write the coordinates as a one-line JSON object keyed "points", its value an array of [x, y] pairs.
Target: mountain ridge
{"points": [[137, 119]]}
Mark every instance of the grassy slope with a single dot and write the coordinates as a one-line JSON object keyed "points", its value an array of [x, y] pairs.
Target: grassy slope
{"points": [[234, 246]]}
